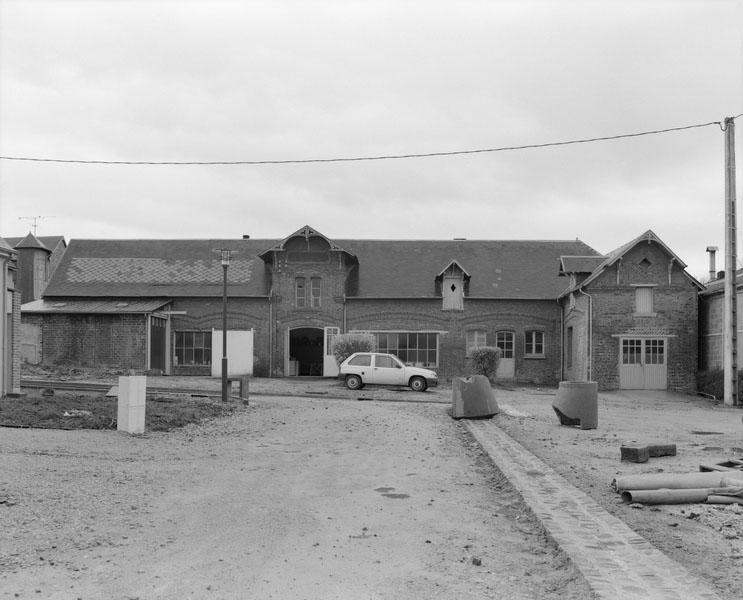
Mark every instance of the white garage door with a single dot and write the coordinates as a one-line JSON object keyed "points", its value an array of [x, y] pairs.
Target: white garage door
{"points": [[643, 364]]}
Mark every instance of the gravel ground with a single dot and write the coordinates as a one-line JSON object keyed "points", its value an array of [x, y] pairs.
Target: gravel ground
{"points": [[322, 496], [288, 498]]}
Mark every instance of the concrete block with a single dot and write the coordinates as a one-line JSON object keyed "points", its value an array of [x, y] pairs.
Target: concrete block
{"points": [[473, 398], [656, 450], [634, 452], [640, 452], [131, 404]]}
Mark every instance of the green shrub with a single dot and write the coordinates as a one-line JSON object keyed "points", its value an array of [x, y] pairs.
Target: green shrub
{"points": [[346, 344], [484, 361]]}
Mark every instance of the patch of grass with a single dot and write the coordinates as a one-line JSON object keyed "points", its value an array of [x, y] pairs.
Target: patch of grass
{"points": [[97, 411]]}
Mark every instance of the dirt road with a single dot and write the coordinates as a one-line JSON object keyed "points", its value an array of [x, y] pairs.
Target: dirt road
{"points": [[290, 498]]}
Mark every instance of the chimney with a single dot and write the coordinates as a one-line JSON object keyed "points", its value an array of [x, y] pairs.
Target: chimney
{"points": [[712, 270]]}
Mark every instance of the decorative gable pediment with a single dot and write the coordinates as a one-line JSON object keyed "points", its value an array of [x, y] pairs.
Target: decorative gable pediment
{"points": [[305, 245]]}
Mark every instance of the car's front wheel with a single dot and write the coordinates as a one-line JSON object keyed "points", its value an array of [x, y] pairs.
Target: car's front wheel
{"points": [[418, 384], [353, 382]]}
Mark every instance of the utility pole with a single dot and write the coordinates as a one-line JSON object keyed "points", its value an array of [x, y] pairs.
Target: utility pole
{"points": [[225, 256], [730, 329]]}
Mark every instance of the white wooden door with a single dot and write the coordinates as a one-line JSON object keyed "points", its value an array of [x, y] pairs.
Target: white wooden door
{"points": [[506, 364], [643, 364], [329, 364]]}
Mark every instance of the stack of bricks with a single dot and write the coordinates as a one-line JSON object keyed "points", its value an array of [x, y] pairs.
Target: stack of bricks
{"points": [[640, 452]]}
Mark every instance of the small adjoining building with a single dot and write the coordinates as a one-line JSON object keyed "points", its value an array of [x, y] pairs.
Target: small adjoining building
{"points": [[630, 318]]}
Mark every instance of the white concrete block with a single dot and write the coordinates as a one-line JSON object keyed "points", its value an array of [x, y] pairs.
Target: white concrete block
{"points": [[132, 404]]}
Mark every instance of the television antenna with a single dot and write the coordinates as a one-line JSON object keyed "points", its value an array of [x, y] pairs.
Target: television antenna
{"points": [[35, 220]]}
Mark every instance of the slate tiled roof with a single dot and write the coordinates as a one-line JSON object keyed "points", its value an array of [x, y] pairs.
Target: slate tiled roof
{"points": [[48, 242], [386, 268], [580, 264], [717, 286], [6, 247], [31, 241], [158, 268], [497, 269], [94, 306]]}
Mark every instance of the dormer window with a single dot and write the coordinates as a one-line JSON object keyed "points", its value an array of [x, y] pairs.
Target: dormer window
{"points": [[453, 282]]}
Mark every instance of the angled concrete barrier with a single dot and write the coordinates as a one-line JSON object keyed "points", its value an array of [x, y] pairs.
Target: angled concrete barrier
{"points": [[576, 404], [473, 398]]}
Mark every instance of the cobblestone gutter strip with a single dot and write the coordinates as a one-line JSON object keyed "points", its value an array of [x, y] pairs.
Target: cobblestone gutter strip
{"points": [[615, 561]]}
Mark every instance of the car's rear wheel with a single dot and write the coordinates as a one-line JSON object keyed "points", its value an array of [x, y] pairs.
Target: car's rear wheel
{"points": [[418, 384], [353, 382]]}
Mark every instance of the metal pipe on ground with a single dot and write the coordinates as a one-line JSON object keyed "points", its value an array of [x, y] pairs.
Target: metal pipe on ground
{"points": [[676, 496], [655, 481]]}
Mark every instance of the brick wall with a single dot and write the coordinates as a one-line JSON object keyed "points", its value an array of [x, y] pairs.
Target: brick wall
{"points": [[100, 341], [516, 316], [711, 318], [675, 303], [205, 314], [318, 262]]}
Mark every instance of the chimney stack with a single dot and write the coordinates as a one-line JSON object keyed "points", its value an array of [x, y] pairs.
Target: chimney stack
{"points": [[712, 270]]}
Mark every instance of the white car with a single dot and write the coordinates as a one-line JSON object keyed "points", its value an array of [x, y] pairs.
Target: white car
{"points": [[385, 369]]}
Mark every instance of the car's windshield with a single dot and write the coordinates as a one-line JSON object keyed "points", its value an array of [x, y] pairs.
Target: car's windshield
{"points": [[398, 361]]}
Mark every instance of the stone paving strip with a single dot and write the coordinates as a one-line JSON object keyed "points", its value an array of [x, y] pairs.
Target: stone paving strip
{"points": [[615, 560]]}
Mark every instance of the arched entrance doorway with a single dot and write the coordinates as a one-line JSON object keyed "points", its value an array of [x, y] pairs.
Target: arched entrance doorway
{"points": [[306, 351]]}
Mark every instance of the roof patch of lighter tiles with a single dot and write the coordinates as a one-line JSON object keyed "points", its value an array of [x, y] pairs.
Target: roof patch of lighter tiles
{"points": [[156, 270]]}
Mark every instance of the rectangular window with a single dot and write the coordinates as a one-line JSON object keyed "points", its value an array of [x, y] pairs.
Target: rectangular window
{"points": [[315, 292], [569, 348], [644, 300], [504, 341], [631, 352], [300, 292], [476, 338], [413, 348], [655, 352], [534, 344], [193, 348]]}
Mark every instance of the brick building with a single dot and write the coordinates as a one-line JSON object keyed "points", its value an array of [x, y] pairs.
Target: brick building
{"points": [[38, 257], [711, 319], [630, 318], [10, 323], [157, 304]]}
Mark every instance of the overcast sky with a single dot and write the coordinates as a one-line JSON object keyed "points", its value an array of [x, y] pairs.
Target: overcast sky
{"points": [[122, 80]]}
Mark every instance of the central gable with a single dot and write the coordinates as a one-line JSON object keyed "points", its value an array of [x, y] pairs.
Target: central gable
{"points": [[306, 245]]}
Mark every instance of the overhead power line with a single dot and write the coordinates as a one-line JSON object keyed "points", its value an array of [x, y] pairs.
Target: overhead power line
{"points": [[363, 158]]}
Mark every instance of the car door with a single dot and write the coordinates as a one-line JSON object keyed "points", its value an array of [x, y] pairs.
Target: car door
{"points": [[387, 371]]}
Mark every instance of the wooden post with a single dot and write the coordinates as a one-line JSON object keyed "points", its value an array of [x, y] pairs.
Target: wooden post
{"points": [[730, 331]]}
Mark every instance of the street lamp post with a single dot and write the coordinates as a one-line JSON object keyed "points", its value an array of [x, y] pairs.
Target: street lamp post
{"points": [[225, 263]]}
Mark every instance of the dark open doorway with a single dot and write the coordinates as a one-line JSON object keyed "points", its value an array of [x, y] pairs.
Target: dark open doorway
{"points": [[306, 351]]}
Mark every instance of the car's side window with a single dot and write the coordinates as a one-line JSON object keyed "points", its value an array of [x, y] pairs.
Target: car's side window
{"points": [[384, 362], [362, 360]]}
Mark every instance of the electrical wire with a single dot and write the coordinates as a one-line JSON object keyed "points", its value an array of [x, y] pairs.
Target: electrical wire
{"points": [[364, 158]]}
